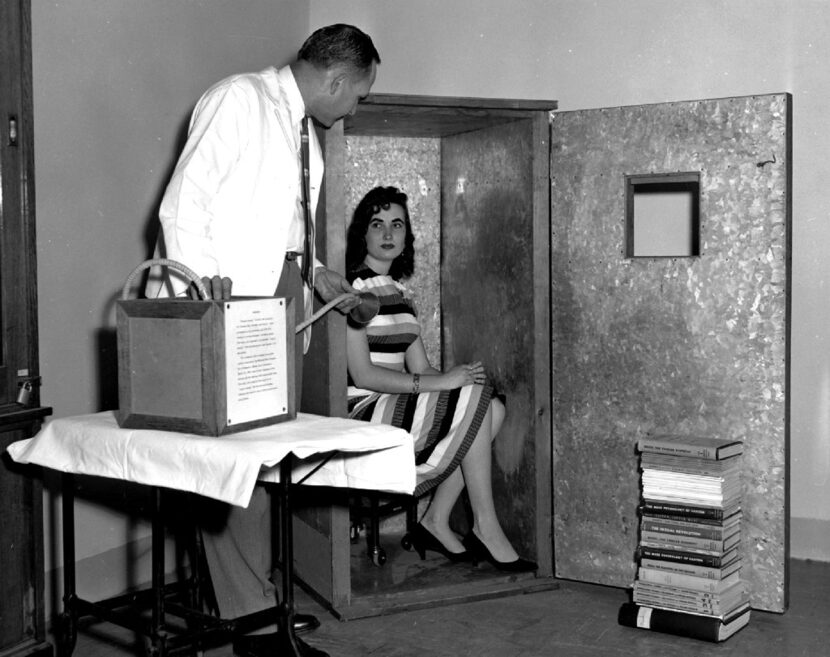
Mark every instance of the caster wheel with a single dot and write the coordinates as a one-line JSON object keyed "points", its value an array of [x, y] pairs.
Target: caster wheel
{"points": [[406, 543], [378, 556]]}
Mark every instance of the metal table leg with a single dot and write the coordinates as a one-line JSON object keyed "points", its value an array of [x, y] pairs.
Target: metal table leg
{"points": [[289, 643], [67, 634], [73, 607]]}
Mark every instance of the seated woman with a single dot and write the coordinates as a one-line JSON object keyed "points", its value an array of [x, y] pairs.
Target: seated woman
{"points": [[452, 415]]}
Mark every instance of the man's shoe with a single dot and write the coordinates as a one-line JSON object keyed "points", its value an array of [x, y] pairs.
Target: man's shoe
{"points": [[305, 623], [269, 645]]}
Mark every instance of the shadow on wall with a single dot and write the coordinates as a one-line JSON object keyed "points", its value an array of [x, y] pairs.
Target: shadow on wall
{"points": [[106, 337], [125, 565]]}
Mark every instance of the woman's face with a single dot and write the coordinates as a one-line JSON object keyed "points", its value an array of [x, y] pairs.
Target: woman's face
{"points": [[385, 237]]}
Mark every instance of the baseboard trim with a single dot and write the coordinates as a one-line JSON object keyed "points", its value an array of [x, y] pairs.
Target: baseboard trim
{"points": [[810, 539]]}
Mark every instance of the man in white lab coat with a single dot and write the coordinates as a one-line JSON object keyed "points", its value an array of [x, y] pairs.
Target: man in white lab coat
{"points": [[233, 213]]}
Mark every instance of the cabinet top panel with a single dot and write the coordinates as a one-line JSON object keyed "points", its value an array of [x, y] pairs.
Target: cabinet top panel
{"points": [[436, 116]]}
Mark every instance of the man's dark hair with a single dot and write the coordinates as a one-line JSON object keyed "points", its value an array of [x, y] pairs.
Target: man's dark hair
{"points": [[380, 198], [340, 44]]}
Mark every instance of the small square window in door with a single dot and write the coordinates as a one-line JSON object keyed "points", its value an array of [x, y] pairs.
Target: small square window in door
{"points": [[662, 215]]}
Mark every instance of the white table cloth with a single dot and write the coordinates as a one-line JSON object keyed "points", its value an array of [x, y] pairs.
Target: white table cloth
{"points": [[366, 455]]}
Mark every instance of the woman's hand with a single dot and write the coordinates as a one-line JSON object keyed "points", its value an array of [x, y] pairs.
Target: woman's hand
{"points": [[462, 375]]}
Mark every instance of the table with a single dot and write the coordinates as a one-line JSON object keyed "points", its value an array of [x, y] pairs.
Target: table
{"points": [[311, 450]]}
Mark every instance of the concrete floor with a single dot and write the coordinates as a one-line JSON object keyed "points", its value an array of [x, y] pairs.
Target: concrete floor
{"points": [[573, 620]]}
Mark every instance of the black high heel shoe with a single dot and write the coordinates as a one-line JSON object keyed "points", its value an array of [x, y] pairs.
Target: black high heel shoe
{"points": [[422, 540], [480, 553]]}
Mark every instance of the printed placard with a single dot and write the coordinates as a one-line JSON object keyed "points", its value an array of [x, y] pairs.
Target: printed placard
{"points": [[256, 359]]}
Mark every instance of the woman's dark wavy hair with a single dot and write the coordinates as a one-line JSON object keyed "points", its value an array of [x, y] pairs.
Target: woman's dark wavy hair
{"points": [[375, 200]]}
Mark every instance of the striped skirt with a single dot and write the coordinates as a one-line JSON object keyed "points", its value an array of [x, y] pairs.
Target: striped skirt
{"points": [[443, 425]]}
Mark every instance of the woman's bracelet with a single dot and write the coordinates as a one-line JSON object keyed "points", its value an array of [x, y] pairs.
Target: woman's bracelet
{"points": [[416, 383]]}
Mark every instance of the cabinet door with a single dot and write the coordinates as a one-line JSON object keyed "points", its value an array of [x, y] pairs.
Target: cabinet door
{"points": [[22, 627], [18, 290], [692, 344]]}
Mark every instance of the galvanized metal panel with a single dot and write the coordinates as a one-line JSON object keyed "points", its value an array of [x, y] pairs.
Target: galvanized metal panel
{"points": [[686, 345]]}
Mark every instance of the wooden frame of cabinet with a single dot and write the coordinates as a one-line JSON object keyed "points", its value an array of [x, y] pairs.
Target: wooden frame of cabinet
{"points": [[503, 147]]}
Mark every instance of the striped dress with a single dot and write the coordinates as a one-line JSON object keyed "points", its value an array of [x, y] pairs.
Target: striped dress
{"points": [[443, 424]]}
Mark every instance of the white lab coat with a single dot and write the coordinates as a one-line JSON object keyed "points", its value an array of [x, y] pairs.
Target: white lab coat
{"points": [[231, 201]]}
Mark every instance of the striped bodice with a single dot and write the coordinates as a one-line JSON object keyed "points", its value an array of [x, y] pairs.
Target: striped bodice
{"points": [[394, 328]]}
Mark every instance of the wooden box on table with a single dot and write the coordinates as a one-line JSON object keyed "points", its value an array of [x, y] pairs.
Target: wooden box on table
{"points": [[205, 367]]}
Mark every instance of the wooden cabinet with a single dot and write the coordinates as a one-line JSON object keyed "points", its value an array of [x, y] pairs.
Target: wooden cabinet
{"points": [[476, 173], [22, 623], [593, 347], [22, 628]]}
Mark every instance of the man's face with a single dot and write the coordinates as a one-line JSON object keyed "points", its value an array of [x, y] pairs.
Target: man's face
{"points": [[343, 100]]}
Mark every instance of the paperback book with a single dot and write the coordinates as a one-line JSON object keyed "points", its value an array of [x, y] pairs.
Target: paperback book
{"points": [[691, 480], [673, 527], [692, 499], [738, 609], [684, 581], [709, 546], [735, 519], [665, 462], [707, 560], [709, 511], [707, 602], [706, 608], [685, 490], [706, 572]]}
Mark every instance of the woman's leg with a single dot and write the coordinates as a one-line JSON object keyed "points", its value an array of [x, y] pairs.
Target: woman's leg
{"points": [[475, 473], [437, 516]]}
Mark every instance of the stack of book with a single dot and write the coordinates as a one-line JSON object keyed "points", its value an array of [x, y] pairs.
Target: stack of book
{"points": [[689, 576]]}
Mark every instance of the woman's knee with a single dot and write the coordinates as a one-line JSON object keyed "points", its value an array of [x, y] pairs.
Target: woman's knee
{"points": [[497, 414]]}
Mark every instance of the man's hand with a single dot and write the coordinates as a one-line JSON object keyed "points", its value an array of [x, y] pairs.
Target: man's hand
{"points": [[330, 285], [217, 288]]}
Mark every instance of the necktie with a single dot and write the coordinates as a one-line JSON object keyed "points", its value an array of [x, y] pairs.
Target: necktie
{"points": [[308, 240]]}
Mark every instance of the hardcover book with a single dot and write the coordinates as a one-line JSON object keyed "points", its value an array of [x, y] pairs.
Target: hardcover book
{"points": [[682, 624], [704, 447]]}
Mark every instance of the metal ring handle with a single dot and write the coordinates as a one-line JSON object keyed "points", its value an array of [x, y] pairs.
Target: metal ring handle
{"points": [[189, 273]]}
